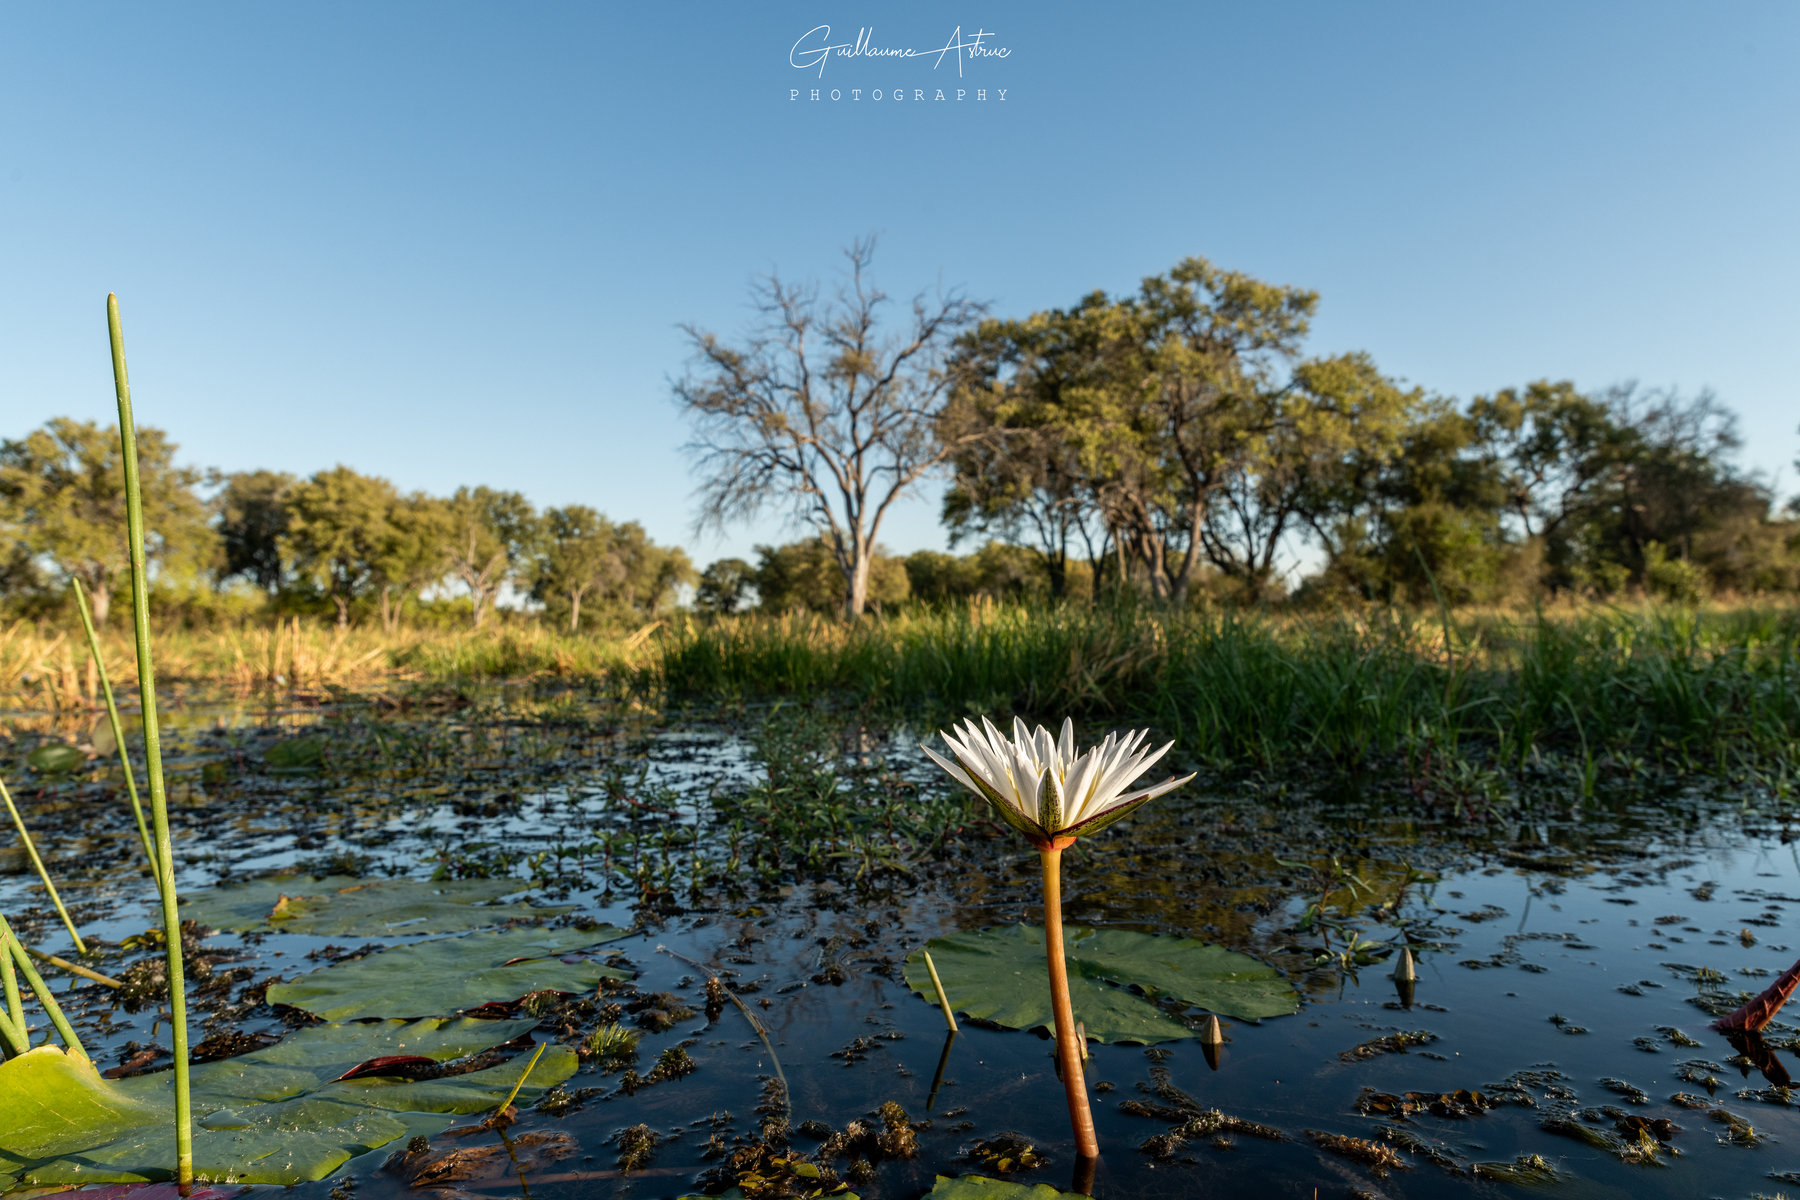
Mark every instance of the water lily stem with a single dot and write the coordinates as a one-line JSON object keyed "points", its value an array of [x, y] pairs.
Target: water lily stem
{"points": [[118, 727], [153, 772], [31, 850], [1068, 1054]]}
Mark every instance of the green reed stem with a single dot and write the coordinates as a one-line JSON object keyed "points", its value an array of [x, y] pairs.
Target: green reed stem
{"points": [[159, 800], [15, 950], [13, 1039], [15, 1003], [514, 1094], [118, 729], [31, 849]]}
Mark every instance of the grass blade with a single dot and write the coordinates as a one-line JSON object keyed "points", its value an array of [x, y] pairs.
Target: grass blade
{"points": [[31, 850], [15, 950], [118, 729], [159, 801]]}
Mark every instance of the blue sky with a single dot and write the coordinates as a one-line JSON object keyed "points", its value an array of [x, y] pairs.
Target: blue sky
{"points": [[452, 243]]}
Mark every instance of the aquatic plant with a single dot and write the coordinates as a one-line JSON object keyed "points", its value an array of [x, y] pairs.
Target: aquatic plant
{"points": [[1039, 785], [164, 855]]}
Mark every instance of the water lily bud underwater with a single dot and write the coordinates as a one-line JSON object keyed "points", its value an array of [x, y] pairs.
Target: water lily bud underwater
{"points": [[1038, 784]]}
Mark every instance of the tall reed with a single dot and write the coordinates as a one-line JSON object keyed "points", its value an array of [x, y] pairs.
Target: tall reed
{"points": [[118, 727], [159, 802]]}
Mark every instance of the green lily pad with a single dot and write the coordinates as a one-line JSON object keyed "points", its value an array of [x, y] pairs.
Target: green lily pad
{"points": [[450, 975], [307, 1059], [341, 906], [999, 975], [279, 1115], [980, 1187], [307, 750], [55, 758]]}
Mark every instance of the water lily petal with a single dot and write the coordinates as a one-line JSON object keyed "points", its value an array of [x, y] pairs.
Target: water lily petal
{"points": [[956, 772]]}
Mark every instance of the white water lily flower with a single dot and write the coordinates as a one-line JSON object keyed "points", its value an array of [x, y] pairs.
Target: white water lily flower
{"points": [[1040, 786]]}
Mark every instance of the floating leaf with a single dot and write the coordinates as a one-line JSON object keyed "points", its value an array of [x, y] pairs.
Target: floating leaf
{"points": [[55, 758], [296, 753], [341, 906], [999, 975], [980, 1187], [450, 975], [276, 1115], [307, 1059]]}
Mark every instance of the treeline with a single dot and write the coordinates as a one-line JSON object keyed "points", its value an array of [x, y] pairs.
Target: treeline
{"points": [[1178, 440], [1176, 444], [338, 542]]}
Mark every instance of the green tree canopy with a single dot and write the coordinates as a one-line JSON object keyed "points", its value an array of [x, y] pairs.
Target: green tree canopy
{"points": [[804, 576], [493, 536], [725, 586], [62, 499], [412, 554], [253, 518], [337, 529]]}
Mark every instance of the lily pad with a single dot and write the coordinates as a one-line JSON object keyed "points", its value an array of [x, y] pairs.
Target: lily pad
{"points": [[293, 753], [307, 1059], [342, 906], [55, 758], [980, 1187], [450, 975], [999, 975], [277, 1116]]}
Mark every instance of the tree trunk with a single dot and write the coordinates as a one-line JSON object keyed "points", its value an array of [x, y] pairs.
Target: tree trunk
{"points": [[478, 601], [574, 612], [858, 597], [343, 607], [99, 598], [388, 610]]}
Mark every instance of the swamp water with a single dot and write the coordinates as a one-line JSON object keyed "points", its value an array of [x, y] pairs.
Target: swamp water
{"points": [[1570, 957]]}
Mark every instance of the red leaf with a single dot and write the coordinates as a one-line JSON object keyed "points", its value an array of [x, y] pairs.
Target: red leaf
{"points": [[408, 1065]]}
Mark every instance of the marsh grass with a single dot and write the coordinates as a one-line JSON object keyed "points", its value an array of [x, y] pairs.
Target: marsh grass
{"points": [[1688, 688], [1677, 687]]}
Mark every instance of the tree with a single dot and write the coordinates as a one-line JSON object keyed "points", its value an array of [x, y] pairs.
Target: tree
{"points": [[62, 498], [822, 411], [412, 554], [1016, 472], [253, 518], [579, 558], [492, 537], [1161, 405], [726, 586], [653, 573], [338, 529], [805, 576]]}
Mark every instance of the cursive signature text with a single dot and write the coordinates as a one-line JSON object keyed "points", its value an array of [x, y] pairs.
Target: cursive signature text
{"points": [[815, 46]]}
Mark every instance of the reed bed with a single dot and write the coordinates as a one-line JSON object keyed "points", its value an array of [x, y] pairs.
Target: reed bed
{"points": [[1681, 686], [1685, 687]]}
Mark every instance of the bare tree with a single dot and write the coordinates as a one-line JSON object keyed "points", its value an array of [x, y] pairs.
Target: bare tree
{"points": [[822, 410]]}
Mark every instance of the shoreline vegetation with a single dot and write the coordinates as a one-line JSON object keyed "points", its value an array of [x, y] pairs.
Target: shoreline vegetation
{"points": [[1708, 687]]}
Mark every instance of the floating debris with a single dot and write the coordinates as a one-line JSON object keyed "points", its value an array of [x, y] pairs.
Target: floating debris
{"points": [[1392, 1043]]}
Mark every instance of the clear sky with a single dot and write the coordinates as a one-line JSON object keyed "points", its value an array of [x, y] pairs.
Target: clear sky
{"points": [[451, 243]]}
